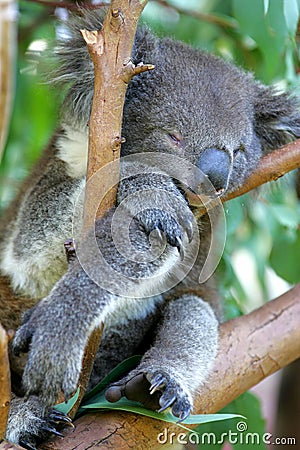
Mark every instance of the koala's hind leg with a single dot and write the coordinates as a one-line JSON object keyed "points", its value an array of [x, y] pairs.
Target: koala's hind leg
{"points": [[178, 362]]}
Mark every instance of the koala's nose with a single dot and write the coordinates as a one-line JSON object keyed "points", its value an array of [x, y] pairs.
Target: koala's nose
{"points": [[215, 164]]}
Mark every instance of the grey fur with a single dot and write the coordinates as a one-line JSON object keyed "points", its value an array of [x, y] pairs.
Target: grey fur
{"points": [[192, 102]]}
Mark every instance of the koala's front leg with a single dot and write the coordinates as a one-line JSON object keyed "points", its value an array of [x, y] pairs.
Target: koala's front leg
{"points": [[179, 361], [29, 422], [56, 332]]}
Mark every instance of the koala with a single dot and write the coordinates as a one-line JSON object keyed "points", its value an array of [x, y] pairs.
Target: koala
{"points": [[195, 123]]}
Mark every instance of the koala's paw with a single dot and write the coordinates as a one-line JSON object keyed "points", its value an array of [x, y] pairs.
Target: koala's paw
{"points": [[54, 362], [167, 227], [29, 423], [156, 390]]}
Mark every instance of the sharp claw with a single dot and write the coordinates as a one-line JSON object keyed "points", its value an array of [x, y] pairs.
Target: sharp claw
{"points": [[167, 404], [60, 417], [52, 430], [189, 230], [159, 234], [26, 445], [184, 415], [180, 248], [158, 382]]}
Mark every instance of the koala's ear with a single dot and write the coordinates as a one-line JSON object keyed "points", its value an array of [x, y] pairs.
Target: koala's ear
{"points": [[277, 117]]}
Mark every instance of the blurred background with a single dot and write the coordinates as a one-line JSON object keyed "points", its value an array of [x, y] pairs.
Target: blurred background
{"points": [[262, 254]]}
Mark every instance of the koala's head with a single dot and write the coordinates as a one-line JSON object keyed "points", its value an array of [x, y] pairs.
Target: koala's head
{"points": [[199, 107]]}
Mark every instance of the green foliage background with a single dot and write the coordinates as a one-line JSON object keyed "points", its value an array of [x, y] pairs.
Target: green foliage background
{"points": [[259, 35]]}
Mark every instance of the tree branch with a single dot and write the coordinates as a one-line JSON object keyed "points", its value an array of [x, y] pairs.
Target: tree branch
{"points": [[4, 382], [110, 50], [8, 38]]}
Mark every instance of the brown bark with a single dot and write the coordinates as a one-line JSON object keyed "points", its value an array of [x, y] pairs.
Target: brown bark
{"points": [[5, 388], [252, 347], [5, 445], [8, 38], [110, 50], [271, 167]]}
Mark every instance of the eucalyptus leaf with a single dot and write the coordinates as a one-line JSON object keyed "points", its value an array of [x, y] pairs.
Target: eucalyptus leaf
{"points": [[286, 215], [291, 15], [284, 258], [266, 6], [100, 402]]}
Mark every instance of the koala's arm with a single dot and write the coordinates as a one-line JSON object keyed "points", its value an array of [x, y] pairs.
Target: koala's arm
{"points": [[32, 254], [59, 326]]}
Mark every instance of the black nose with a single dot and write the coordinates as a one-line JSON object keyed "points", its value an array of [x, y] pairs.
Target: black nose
{"points": [[215, 164]]}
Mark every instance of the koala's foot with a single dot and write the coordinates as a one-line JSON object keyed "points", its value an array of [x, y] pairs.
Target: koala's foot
{"points": [[156, 390], [29, 423]]}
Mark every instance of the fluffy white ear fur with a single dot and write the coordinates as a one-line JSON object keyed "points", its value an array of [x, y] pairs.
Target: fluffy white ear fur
{"points": [[73, 150]]}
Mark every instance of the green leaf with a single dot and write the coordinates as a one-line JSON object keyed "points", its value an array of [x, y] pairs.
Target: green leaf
{"points": [[284, 257], [66, 407], [99, 402], [95, 399], [269, 31], [291, 15], [234, 215], [266, 6], [118, 372], [285, 215]]}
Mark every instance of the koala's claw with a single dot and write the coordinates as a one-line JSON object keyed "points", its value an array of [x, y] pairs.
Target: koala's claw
{"points": [[188, 226], [156, 390], [159, 235], [180, 247], [52, 430], [167, 228], [26, 445], [157, 383], [166, 403], [57, 417], [172, 394]]}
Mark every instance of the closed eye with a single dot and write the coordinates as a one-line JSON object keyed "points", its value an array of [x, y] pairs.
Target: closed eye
{"points": [[238, 150], [176, 138]]}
